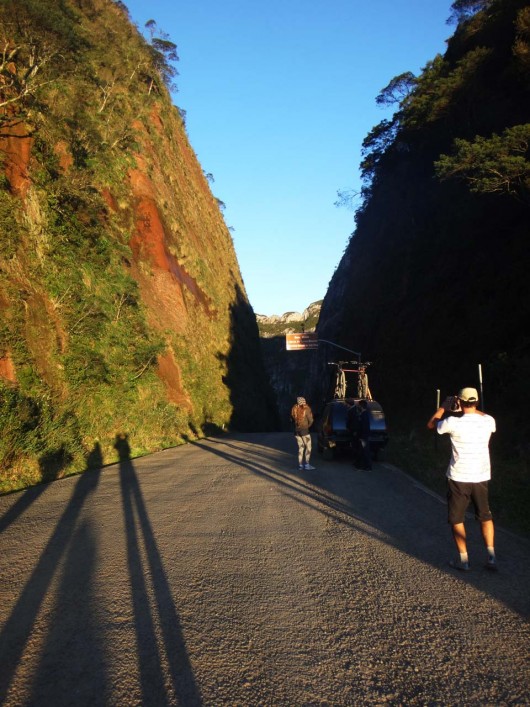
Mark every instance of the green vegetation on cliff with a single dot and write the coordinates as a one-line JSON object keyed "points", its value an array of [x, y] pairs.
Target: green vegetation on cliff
{"points": [[121, 302]]}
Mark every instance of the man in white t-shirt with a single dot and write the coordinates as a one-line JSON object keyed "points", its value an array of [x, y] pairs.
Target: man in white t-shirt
{"points": [[469, 470]]}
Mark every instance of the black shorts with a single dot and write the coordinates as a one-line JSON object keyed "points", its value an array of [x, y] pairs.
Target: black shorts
{"points": [[460, 493]]}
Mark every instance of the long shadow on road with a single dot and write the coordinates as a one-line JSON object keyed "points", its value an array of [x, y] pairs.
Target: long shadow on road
{"points": [[386, 505], [24, 501], [71, 666], [18, 628], [171, 649], [76, 597], [383, 505]]}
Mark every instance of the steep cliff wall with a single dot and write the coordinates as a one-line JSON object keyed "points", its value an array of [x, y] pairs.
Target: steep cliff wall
{"points": [[289, 371], [122, 306], [434, 280]]}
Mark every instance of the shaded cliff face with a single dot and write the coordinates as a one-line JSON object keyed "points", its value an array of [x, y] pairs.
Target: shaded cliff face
{"points": [[433, 281], [289, 376], [121, 298], [288, 371]]}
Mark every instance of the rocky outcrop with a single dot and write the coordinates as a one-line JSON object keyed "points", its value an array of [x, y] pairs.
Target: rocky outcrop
{"points": [[289, 322]]}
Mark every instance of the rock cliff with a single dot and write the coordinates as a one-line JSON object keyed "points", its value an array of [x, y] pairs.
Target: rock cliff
{"points": [[434, 280], [123, 310], [288, 370], [289, 322]]}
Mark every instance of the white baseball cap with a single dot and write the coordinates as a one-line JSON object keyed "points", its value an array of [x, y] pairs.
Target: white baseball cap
{"points": [[468, 395]]}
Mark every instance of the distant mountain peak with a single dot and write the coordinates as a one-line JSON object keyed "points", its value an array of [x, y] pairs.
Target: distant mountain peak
{"points": [[289, 322]]}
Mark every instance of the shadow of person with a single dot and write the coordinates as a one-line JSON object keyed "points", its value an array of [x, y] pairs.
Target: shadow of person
{"points": [[147, 576], [17, 630], [23, 502], [75, 629], [94, 459], [121, 445]]}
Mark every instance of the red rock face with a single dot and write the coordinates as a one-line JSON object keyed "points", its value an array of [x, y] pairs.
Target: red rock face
{"points": [[65, 158], [162, 294], [7, 369], [148, 245], [168, 290], [15, 144], [169, 374]]}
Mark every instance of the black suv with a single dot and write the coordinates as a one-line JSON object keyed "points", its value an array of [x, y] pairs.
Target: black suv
{"points": [[333, 433]]}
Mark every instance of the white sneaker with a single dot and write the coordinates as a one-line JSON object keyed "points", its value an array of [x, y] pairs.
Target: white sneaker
{"points": [[308, 467]]}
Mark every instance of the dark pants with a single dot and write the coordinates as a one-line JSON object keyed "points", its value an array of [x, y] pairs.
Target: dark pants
{"points": [[362, 458]]}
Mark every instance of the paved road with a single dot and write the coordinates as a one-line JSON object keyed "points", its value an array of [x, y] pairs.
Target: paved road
{"points": [[216, 574]]}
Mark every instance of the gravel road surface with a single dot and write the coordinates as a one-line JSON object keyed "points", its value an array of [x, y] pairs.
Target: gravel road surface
{"points": [[217, 574]]}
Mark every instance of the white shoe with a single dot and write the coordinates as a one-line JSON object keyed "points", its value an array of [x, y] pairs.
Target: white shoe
{"points": [[308, 467]]}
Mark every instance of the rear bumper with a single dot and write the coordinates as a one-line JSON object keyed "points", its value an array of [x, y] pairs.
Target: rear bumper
{"points": [[378, 441], [333, 442]]}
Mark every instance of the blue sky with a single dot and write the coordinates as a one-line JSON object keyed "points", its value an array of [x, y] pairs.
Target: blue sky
{"points": [[279, 96]]}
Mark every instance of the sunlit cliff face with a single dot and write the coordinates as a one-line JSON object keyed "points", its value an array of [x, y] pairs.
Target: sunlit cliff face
{"points": [[121, 299]]}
